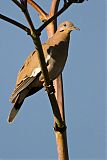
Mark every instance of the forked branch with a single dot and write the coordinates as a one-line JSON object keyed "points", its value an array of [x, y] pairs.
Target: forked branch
{"points": [[41, 11]]}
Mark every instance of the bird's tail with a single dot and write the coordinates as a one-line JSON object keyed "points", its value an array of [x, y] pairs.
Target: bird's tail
{"points": [[15, 109]]}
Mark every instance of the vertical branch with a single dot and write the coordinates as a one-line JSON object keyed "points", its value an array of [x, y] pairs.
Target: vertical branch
{"points": [[60, 95], [53, 10], [61, 138], [62, 149]]}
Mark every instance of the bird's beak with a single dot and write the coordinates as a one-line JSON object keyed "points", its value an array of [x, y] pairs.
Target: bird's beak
{"points": [[74, 28]]}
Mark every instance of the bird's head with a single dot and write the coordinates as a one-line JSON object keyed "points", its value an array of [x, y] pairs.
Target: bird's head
{"points": [[67, 27]]}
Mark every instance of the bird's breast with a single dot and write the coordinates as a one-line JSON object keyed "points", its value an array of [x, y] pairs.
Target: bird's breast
{"points": [[58, 57]]}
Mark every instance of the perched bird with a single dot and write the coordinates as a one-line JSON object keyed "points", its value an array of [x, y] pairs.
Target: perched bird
{"points": [[30, 79]]}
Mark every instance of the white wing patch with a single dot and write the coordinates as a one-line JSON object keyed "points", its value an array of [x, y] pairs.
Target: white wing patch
{"points": [[35, 72]]}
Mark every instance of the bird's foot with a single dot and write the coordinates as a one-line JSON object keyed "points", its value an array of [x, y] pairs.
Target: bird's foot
{"points": [[50, 88]]}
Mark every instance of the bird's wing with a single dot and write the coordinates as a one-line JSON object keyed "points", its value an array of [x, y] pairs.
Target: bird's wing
{"points": [[29, 72], [24, 84], [26, 70]]}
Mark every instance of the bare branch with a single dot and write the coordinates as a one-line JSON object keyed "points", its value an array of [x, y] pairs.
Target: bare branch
{"points": [[53, 10], [23, 7], [54, 7], [61, 138], [43, 14], [28, 18], [65, 1], [17, 3], [55, 16], [60, 95], [7, 19], [24, 2]]}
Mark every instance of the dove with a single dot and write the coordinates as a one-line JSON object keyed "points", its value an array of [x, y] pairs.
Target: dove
{"points": [[30, 79]]}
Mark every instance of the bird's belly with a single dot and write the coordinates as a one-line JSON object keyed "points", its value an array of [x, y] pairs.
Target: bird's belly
{"points": [[55, 68]]}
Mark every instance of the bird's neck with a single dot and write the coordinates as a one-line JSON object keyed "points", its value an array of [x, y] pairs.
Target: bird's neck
{"points": [[58, 37]]}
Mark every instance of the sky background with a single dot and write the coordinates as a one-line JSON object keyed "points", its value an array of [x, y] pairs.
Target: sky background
{"points": [[31, 136]]}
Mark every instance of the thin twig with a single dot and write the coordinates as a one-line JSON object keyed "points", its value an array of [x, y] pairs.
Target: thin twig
{"points": [[28, 18], [7, 19], [17, 3], [24, 9], [38, 9], [24, 2], [54, 7]]}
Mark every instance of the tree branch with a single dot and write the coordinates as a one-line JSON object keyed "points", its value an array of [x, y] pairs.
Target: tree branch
{"points": [[53, 10], [17, 3], [46, 17], [43, 14], [54, 7], [7, 19], [37, 7], [23, 7], [61, 138]]}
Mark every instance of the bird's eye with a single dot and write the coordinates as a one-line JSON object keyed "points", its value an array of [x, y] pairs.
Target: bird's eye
{"points": [[64, 25]]}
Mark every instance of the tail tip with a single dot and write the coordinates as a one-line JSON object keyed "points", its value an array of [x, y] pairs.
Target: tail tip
{"points": [[10, 120]]}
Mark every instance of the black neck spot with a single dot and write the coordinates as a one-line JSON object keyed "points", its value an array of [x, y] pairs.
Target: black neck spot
{"points": [[61, 30]]}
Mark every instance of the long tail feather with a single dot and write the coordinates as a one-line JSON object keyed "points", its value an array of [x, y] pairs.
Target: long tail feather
{"points": [[14, 110]]}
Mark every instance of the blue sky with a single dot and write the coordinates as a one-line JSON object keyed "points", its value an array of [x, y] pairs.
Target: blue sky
{"points": [[31, 136]]}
